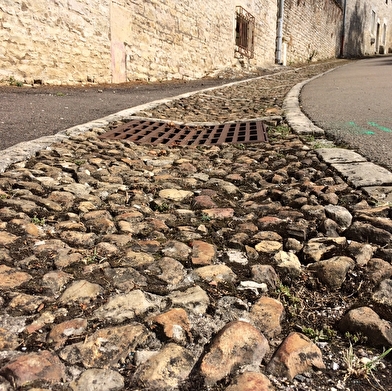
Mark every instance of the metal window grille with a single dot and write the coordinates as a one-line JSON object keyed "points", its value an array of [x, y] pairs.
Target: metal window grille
{"points": [[245, 27]]}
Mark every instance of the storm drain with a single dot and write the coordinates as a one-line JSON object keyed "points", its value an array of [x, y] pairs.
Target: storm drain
{"points": [[169, 133]]}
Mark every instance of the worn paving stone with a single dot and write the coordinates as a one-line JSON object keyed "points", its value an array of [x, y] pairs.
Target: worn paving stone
{"points": [[42, 366], [295, 355], [236, 345], [364, 320]]}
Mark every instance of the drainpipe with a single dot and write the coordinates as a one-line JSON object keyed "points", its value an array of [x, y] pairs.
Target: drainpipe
{"points": [[343, 29], [279, 37]]}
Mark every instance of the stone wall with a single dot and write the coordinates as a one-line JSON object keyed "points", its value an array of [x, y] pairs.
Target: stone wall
{"points": [[55, 41], [158, 39], [70, 41], [311, 30]]}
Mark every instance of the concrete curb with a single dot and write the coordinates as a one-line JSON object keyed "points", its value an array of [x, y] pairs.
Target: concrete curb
{"points": [[373, 179]]}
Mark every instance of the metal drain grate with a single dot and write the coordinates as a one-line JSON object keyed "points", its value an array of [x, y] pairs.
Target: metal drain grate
{"points": [[159, 132]]}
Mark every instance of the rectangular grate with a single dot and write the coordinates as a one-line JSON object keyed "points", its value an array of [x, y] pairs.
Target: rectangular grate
{"points": [[160, 132]]}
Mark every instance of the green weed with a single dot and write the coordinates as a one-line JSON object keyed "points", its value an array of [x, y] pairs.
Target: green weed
{"points": [[323, 335], [94, 257], [282, 130], [362, 368], [37, 221], [205, 218], [13, 82]]}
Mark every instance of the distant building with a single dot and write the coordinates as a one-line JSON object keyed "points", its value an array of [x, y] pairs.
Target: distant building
{"points": [[367, 28], [115, 41]]}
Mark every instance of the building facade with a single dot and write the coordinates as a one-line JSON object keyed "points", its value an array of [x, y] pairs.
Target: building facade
{"points": [[115, 41], [367, 29]]}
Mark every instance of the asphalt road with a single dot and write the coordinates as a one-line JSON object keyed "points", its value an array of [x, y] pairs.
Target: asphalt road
{"points": [[353, 104]]}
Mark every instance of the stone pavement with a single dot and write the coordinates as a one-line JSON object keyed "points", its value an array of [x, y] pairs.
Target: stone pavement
{"points": [[234, 267]]}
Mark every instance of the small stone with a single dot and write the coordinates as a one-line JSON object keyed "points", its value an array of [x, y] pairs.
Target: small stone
{"points": [[293, 245], [175, 324], [235, 256], [219, 213], [98, 380], [204, 202], [268, 235], [79, 239], [106, 347], [319, 248], [382, 299], [340, 215], [367, 233], [216, 273], [203, 253], [251, 381], [166, 369], [80, 291], [177, 250], [297, 354], [62, 331], [99, 222], [11, 278], [45, 319], [287, 264], [42, 366], [168, 270], [175, 195], [136, 259], [8, 340], [252, 286], [333, 271], [26, 303], [125, 278], [125, 307], [379, 270], [236, 345], [361, 252], [267, 315], [269, 246], [265, 274], [194, 299], [330, 228], [365, 321]]}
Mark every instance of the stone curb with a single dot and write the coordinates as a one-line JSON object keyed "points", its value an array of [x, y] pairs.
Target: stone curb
{"points": [[354, 168]]}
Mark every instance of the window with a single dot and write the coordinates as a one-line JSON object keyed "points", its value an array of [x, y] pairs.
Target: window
{"points": [[384, 34], [373, 26], [244, 29]]}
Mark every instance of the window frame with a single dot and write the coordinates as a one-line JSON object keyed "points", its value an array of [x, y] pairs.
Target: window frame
{"points": [[244, 32]]}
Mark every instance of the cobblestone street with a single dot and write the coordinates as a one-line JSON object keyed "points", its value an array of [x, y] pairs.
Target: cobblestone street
{"points": [[231, 267]]}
